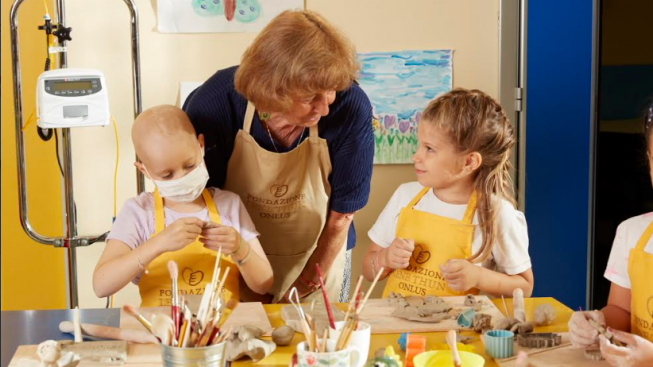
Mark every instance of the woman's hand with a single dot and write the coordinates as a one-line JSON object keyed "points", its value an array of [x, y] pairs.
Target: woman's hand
{"points": [[637, 353], [215, 236], [581, 333], [460, 274]]}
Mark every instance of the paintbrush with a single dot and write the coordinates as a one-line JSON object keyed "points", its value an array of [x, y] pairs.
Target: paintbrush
{"points": [[174, 296], [369, 292], [357, 290], [451, 340], [327, 304], [133, 311]]}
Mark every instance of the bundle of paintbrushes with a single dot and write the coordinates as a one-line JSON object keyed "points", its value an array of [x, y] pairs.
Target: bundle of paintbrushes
{"points": [[183, 329], [354, 310], [351, 318]]}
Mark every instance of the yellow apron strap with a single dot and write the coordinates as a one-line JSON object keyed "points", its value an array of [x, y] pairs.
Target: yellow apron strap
{"points": [[214, 214], [249, 116], [643, 240], [159, 220], [418, 197], [471, 208]]}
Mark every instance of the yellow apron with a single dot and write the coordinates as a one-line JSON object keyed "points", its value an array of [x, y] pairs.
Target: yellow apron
{"points": [[640, 272], [437, 239], [195, 263], [287, 196]]}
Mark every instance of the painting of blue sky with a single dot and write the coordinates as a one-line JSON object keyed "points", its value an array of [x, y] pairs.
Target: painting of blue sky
{"points": [[399, 85]]}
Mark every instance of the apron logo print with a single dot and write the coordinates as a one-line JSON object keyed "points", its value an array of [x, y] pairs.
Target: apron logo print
{"points": [[191, 277], [420, 255], [649, 306], [279, 190]]}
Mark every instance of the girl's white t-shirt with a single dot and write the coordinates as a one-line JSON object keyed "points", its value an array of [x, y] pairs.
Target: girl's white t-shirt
{"points": [[510, 251], [628, 234]]}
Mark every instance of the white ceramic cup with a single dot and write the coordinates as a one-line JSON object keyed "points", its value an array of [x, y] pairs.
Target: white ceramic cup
{"points": [[360, 338], [348, 357]]}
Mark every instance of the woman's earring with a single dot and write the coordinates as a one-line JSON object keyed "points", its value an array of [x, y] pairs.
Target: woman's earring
{"points": [[264, 116]]}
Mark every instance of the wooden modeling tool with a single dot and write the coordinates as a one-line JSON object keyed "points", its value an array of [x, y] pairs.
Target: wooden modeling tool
{"points": [[451, 340], [107, 332]]}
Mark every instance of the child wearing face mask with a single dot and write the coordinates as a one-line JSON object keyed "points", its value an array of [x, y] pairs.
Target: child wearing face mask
{"points": [[181, 221], [456, 230]]}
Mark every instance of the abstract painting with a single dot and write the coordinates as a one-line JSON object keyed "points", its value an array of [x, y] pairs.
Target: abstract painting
{"points": [[399, 85]]}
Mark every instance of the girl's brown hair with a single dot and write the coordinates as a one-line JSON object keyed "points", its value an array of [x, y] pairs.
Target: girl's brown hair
{"points": [[475, 122], [297, 54]]}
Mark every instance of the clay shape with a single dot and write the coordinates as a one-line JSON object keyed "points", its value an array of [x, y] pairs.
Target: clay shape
{"points": [[243, 342], [423, 309], [593, 354], [481, 322], [282, 336], [51, 355], [539, 340], [543, 315], [522, 328], [470, 301], [506, 323], [256, 349]]}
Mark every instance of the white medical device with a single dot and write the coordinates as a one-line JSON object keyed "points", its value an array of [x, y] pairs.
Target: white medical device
{"points": [[72, 98]]}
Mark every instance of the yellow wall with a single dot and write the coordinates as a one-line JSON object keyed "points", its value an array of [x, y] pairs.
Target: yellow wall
{"points": [[470, 27], [33, 275]]}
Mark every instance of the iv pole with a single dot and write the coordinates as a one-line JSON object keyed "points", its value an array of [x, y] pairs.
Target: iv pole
{"points": [[71, 240]]}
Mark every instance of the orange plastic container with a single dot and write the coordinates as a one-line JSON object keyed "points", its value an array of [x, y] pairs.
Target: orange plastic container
{"points": [[415, 344]]}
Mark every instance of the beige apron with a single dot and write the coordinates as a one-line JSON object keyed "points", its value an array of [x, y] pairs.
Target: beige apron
{"points": [[287, 196]]}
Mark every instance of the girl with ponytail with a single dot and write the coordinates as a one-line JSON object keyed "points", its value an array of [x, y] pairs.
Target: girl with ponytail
{"points": [[456, 230]]}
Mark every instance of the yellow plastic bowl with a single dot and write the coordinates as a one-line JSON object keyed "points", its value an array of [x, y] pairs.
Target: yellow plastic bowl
{"points": [[437, 358]]}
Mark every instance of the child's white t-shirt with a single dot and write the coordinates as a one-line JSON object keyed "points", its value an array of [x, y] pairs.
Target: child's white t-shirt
{"points": [[510, 251], [628, 234]]}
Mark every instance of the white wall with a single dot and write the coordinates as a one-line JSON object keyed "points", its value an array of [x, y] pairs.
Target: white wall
{"points": [[101, 40]]}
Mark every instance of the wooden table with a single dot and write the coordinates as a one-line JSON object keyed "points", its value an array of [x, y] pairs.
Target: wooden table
{"points": [[282, 355], [34, 327]]}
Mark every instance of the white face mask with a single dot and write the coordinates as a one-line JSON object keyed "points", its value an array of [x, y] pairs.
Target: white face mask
{"points": [[184, 189]]}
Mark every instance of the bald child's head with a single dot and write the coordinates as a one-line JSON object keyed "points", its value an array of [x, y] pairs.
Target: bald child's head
{"points": [[166, 143]]}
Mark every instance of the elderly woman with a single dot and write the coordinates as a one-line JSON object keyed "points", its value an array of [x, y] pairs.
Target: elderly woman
{"points": [[290, 131]]}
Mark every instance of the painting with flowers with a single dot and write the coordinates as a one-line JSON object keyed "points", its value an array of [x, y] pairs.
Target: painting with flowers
{"points": [[399, 85]]}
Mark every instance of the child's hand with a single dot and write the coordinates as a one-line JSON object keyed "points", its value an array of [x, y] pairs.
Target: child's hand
{"points": [[181, 233], [215, 236], [460, 274], [637, 353], [581, 333], [397, 256]]}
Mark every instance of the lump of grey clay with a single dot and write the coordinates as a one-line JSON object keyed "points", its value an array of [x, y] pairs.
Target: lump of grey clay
{"points": [[543, 315], [256, 349], [283, 336], [481, 322], [506, 323], [522, 328]]}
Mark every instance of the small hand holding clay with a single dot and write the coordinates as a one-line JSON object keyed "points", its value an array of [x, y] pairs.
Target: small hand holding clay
{"points": [[397, 256], [637, 353], [180, 233], [581, 333], [215, 236], [460, 274]]}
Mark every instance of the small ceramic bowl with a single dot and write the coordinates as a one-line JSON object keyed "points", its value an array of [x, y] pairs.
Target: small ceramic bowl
{"points": [[499, 343]]}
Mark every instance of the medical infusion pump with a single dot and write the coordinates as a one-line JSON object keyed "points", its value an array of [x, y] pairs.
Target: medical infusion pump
{"points": [[68, 98]]}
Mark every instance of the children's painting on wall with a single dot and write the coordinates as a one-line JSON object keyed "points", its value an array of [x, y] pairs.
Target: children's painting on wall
{"points": [[399, 85], [213, 16]]}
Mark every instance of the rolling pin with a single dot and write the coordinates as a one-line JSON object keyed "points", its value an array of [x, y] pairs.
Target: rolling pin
{"points": [[108, 332]]}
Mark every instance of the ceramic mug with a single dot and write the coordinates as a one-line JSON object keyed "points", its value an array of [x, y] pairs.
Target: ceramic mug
{"points": [[348, 357], [360, 338]]}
